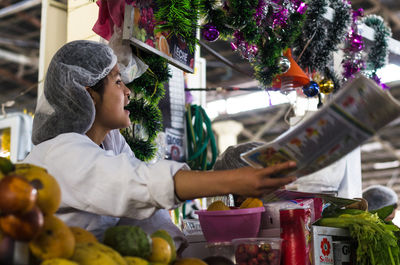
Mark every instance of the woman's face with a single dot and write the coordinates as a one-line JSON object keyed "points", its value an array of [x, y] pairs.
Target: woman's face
{"points": [[110, 112]]}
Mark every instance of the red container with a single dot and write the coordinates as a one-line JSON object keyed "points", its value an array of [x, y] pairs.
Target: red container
{"points": [[295, 232]]}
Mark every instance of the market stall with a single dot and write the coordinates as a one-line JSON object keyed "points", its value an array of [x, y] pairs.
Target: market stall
{"points": [[291, 45]]}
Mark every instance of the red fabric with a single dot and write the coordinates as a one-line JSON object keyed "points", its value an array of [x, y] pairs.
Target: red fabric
{"points": [[111, 12]]}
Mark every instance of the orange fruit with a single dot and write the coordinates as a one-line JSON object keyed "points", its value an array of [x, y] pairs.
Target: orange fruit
{"points": [[160, 251]]}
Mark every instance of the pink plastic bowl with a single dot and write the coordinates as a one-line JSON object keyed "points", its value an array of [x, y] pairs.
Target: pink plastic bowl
{"points": [[223, 226]]}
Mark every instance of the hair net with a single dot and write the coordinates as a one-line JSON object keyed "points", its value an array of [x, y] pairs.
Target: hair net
{"points": [[65, 105], [379, 196], [230, 158]]}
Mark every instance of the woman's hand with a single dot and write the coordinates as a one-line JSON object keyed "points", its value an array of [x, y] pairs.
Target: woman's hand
{"points": [[246, 181], [256, 182]]}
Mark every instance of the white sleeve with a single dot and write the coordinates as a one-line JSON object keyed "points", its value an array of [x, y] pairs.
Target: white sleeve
{"points": [[101, 182]]}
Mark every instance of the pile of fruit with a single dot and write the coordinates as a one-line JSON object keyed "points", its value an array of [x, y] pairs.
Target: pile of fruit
{"points": [[29, 198], [257, 254], [247, 203]]}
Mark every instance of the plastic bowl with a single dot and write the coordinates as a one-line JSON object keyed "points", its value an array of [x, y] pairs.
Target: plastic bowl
{"points": [[223, 226], [260, 250]]}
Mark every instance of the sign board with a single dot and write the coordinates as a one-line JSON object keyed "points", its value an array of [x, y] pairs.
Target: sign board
{"points": [[139, 30]]}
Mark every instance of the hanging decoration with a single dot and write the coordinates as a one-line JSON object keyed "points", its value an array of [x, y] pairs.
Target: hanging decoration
{"points": [[146, 117], [179, 17], [260, 30], [378, 53], [353, 61], [210, 32], [311, 89], [321, 38]]}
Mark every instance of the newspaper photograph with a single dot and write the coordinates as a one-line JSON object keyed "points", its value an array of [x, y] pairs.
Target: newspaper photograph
{"points": [[354, 114]]}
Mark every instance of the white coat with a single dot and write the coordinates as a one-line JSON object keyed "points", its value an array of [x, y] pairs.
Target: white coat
{"points": [[99, 186]]}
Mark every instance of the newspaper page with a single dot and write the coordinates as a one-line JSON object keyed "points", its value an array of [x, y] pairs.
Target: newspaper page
{"points": [[355, 113]]}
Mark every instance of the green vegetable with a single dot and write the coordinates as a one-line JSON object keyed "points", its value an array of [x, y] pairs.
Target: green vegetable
{"points": [[338, 212], [128, 241], [377, 243], [384, 211]]}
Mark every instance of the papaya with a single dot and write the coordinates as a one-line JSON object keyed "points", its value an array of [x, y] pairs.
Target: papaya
{"points": [[165, 235], [54, 241], [49, 192], [90, 253], [58, 262], [81, 235], [251, 203], [128, 241], [136, 261]]}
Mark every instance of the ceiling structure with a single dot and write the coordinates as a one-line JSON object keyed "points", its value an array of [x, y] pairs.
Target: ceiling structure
{"points": [[19, 52]]}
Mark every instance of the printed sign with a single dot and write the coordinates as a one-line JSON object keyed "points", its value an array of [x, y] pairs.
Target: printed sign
{"points": [[325, 250], [175, 144]]}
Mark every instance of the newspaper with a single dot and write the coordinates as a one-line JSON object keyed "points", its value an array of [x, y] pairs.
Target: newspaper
{"points": [[354, 114]]}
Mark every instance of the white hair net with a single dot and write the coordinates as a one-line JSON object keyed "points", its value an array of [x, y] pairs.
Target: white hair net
{"points": [[379, 196], [65, 105]]}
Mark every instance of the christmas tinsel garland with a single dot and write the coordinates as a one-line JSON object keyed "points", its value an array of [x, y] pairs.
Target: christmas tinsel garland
{"points": [[261, 30], [241, 16], [179, 17], [377, 54], [270, 48], [325, 39], [147, 91]]}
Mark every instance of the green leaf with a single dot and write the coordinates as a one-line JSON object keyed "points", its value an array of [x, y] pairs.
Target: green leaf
{"points": [[384, 212]]}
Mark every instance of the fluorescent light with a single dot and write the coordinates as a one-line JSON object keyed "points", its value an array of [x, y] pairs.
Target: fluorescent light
{"points": [[389, 73], [369, 147], [386, 165]]}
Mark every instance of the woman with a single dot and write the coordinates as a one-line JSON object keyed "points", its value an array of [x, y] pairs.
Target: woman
{"points": [[77, 139]]}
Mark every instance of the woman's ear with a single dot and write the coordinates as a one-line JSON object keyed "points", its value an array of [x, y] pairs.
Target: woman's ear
{"points": [[92, 94]]}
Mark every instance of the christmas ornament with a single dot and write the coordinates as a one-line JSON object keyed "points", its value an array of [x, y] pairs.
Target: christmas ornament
{"points": [[353, 62], [311, 90], [326, 86], [210, 32], [284, 64]]}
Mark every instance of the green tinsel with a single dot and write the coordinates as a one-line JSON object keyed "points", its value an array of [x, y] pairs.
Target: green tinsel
{"points": [[271, 47], [337, 31], [150, 117], [179, 17], [239, 16], [148, 89], [377, 54], [315, 31], [150, 85]]}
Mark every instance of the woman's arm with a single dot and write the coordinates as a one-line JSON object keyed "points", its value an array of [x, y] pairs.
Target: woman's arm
{"points": [[246, 181]]}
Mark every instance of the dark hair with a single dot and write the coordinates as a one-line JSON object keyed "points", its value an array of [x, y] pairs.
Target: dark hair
{"points": [[99, 86]]}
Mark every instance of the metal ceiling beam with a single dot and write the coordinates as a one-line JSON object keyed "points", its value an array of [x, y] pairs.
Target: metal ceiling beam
{"points": [[18, 58], [13, 78], [19, 43], [18, 7]]}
